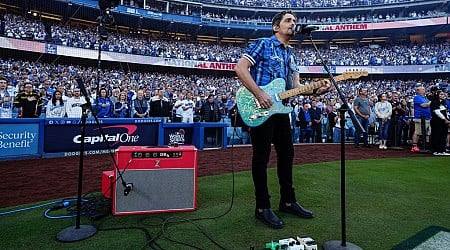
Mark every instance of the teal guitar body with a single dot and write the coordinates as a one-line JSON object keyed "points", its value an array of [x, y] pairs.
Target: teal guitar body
{"points": [[253, 115], [251, 112]]}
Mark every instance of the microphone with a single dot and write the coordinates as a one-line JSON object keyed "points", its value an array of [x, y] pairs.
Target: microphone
{"points": [[305, 28], [128, 188]]}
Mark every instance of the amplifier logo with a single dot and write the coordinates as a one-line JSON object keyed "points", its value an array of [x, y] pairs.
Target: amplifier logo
{"points": [[127, 137], [177, 137]]}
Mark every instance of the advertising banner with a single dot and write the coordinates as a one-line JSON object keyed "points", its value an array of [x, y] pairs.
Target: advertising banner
{"points": [[19, 139], [64, 135]]}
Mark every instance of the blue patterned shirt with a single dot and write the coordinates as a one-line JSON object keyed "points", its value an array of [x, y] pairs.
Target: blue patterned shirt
{"points": [[270, 59]]}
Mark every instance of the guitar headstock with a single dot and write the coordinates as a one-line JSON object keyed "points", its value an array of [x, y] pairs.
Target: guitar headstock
{"points": [[354, 74]]}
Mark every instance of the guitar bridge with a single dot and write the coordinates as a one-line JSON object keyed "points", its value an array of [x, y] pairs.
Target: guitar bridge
{"points": [[260, 114]]}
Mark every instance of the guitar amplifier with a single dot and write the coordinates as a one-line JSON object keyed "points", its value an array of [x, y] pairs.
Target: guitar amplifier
{"points": [[162, 179]]}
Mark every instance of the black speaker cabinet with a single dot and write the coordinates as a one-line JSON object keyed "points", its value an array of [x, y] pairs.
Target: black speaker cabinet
{"points": [[163, 179]]}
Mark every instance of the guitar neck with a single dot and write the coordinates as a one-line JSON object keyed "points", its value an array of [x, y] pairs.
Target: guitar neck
{"points": [[302, 89], [310, 87]]}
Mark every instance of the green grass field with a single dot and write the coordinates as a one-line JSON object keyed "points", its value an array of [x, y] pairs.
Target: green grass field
{"points": [[388, 200]]}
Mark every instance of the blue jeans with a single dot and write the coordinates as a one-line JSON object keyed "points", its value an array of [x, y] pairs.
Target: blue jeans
{"points": [[365, 125], [295, 134], [383, 129], [337, 134]]}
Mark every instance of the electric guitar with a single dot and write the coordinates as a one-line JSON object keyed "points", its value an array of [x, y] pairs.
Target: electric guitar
{"points": [[253, 115]]}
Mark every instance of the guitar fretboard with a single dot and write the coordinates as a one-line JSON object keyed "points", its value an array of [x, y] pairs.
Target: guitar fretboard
{"points": [[302, 89], [310, 87]]}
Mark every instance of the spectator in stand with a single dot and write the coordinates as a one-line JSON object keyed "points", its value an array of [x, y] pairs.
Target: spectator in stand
{"points": [[231, 104], [55, 107], [104, 104], [141, 107], [114, 95], [210, 110], [44, 99], [122, 107], [199, 104], [178, 109], [160, 105], [383, 112], [148, 94], [361, 107], [421, 111], [316, 119], [48, 90], [188, 109], [67, 94], [222, 102], [29, 102], [73, 104], [305, 124], [389, 54], [404, 113], [211, 113], [447, 102], [333, 124], [394, 131], [6, 100], [440, 123]]}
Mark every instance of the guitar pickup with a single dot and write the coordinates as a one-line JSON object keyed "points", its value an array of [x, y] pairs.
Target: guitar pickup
{"points": [[261, 114]]}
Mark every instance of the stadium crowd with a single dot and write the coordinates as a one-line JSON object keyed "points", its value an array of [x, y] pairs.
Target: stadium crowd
{"points": [[290, 3], [34, 89], [347, 55], [326, 19]]}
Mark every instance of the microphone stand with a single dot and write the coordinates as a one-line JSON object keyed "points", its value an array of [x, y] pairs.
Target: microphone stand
{"points": [[79, 232], [342, 244]]}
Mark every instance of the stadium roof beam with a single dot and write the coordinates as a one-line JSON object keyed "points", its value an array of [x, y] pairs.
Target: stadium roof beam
{"points": [[344, 40]]}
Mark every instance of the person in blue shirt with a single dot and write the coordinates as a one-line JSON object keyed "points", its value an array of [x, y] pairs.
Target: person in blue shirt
{"points": [[421, 110], [104, 105], [306, 126], [264, 60]]}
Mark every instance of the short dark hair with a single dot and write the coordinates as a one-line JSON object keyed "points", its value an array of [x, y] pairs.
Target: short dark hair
{"points": [[276, 20]]}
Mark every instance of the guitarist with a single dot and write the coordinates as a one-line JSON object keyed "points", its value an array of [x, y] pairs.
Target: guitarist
{"points": [[263, 61]]}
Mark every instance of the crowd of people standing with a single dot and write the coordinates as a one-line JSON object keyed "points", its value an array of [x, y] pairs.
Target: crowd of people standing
{"points": [[389, 54], [43, 90]]}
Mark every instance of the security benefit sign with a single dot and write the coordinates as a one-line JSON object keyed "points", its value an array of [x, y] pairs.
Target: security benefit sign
{"points": [[65, 135], [19, 139]]}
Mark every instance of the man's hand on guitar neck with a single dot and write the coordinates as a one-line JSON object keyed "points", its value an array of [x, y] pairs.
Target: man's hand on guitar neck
{"points": [[324, 89]]}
